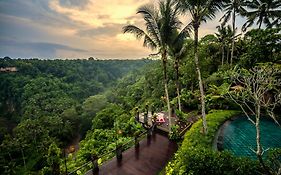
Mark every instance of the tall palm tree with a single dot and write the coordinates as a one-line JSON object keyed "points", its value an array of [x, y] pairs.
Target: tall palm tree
{"points": [[160, 25], [263, 11], [233, 7], [224, 37], [178, 51], [221, 38], [200, 11]]}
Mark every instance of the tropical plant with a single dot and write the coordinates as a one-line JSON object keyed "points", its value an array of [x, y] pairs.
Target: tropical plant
{"points": [[200, 11], [160, 24], [233, 7], [225, 37], [221, 37], [178, 52], [263, 11]]}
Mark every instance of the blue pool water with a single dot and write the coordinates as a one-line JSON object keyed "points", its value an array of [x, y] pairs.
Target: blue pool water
{"points": [[240, 136]]}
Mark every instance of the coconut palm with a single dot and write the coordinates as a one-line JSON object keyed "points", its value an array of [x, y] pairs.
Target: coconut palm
{"points": [[160, 25], [200, 11], [178, 51], [263, 11], [221, 38], [233, 7]]}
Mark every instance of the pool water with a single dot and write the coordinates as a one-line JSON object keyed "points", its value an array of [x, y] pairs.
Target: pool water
{"points": [[240, 136]]}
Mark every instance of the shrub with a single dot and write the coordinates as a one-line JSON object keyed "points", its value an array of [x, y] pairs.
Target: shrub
{"points": [[175, 135], [215, 118], [199, 160]]}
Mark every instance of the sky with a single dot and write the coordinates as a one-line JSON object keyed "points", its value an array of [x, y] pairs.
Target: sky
{"points": [[75, 29]]}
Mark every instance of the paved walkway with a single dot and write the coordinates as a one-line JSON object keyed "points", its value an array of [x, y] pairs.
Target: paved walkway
{"points": [[148, 159]]}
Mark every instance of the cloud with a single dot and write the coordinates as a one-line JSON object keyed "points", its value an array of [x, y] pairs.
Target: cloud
{"points": [[74, 3], [109, 29], [98, 13], [74, 28], [15, 48], [37, 11]]}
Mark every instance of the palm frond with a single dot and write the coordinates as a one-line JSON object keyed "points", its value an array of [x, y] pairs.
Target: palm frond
{"points": [[146, 10], [134, 30], [148, 42], [225, 18]]}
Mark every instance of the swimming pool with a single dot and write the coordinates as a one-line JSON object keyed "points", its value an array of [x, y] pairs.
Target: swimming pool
{"points": [[239, 136]]}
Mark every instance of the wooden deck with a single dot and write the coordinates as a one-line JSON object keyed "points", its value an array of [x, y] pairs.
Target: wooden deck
{"points": [[148, 159]]}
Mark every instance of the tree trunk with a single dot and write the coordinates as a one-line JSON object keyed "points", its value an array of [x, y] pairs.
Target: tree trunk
{"points": [[23, 158], [205, 130], [164, 62], [178, 83], [233, 39], [227, 54], [259, 148], [260, 23], [222, 58], [259, 151]]}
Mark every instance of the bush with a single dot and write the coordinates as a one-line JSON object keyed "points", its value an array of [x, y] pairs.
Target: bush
{"points": [[199, 160], [197, 157], [175, 135], [215, 118]]}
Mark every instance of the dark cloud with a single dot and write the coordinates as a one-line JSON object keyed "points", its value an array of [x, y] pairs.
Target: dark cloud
{"points": [[75, 3], [18, 29], [35, 10], [110, 29], [15, 49]]}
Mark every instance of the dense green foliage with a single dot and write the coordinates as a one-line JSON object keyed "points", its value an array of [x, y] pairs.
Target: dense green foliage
{"points": [[51, 103]]}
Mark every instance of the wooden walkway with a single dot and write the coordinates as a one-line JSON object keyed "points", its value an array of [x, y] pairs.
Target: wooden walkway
{"points": [[148, 159]]}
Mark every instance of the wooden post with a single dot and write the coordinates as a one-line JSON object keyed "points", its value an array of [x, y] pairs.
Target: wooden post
{"points": [[64, 153], [137, 117], [119, 152], [146, 115], [149, 132], [95, 168], [137, 144]]}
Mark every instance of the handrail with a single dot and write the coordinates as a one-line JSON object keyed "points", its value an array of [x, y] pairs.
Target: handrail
{"points": [[108, 153], [74, 171]]}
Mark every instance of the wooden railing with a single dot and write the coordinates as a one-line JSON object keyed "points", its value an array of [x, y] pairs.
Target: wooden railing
{"points": [[117, 152]]}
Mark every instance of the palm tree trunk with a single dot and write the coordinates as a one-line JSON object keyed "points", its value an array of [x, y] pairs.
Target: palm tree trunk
{"points": [[260, 24], [227, 54], [222, 58], [23, 158], [205, 130], [233, 39], [177, 82], [164, 62]]}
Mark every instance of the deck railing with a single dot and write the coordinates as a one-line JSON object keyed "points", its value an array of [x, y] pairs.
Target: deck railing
{"points": [[117, 152]]}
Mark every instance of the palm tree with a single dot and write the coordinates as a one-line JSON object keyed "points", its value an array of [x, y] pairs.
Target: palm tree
{"points": [[178, 51], [263, 11], [160, 25], [221, 38], [200, 11], [233, 7], [229, 38]]}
